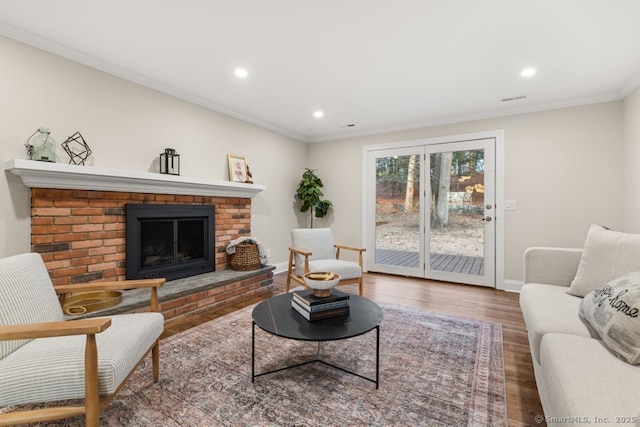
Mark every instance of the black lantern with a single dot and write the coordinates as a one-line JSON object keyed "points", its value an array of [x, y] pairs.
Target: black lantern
{"points": [[170, 162]]}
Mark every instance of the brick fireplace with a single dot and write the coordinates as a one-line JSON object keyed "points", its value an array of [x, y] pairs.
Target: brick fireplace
{"points": [[78, 225], [81, 234]]}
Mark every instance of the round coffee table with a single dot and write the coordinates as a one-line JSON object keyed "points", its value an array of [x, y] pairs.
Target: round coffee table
{"points": [[276, 317]]}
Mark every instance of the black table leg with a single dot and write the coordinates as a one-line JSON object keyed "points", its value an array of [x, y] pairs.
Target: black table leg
{"points": [[377, 356], [253, 351]]}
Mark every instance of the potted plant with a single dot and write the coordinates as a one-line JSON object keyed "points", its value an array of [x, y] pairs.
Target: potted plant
{"points": [[309, 192]]}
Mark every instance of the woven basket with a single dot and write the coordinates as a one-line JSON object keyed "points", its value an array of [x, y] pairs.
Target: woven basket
{"points": [[246, 257]]}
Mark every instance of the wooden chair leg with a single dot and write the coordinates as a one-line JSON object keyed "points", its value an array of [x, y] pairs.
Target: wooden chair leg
{"points": [[289, 272], [155, 357], [361, 283], [91, 398]]}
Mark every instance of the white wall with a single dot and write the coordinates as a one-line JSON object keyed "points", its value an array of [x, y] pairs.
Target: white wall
{"points": [[563, 167], [127, 126], [631, 183]]}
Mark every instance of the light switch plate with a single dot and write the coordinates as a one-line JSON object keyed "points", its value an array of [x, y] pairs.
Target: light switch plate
{"points": [[509, 205]]}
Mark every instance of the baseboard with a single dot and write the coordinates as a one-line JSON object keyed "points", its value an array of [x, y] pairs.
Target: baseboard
{"points": [[280, 267], [512, 285]]}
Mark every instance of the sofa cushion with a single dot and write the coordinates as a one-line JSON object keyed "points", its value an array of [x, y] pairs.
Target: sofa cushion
{"points": [[59, 361], [584, 380], [607, 254], [547, 309], [614, 311]]}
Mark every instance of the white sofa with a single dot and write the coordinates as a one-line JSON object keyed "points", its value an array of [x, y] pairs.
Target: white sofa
{"points": [[580, 380]]}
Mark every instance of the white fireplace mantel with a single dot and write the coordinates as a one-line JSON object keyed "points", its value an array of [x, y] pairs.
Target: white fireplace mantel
{"points": [[35, 174]]}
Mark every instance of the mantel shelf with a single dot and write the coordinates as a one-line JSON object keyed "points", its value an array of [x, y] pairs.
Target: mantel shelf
{"points": [[35, 174]]}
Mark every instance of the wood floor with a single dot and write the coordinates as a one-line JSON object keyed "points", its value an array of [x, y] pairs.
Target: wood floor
{"points": [[523, 403]]}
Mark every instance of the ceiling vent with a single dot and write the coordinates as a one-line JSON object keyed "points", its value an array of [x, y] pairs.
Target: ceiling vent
{"points": [[514, 98]]}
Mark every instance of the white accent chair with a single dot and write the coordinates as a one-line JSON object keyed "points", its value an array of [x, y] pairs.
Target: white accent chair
{"points": [[314, 250], [44, 358]]}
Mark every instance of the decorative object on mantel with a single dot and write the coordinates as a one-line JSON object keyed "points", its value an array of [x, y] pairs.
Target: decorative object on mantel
{"points": [[77, 149], [249, 179], [41, 147], [309, 193], [238, 169], [170, 162]]}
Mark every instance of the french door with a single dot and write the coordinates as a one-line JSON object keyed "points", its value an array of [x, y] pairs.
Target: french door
{"points": [[431, 211]]}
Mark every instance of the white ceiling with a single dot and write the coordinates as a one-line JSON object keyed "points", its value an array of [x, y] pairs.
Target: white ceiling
{"points": [[380, 65]]}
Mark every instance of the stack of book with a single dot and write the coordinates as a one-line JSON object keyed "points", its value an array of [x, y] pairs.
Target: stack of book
{"points": [[313, 308]]}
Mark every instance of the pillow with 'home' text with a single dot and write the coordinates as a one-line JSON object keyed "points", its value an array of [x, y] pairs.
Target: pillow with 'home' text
{"points": [[607, 254], [614, 312]]}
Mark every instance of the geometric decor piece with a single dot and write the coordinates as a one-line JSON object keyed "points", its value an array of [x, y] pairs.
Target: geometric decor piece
{"points": [[77, 149]]}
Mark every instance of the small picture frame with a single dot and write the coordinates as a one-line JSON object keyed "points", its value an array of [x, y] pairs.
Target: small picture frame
{"points": [[237, 168]]}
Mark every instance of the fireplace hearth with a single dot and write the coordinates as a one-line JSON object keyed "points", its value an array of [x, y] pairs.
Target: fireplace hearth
{"points": [[171, 241]]}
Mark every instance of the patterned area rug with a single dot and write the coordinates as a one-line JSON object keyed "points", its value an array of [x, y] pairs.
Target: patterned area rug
{"points": [[435, 370]]}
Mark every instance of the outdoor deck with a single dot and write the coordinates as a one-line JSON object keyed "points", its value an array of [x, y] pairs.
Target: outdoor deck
{"points": [[439, 262]]}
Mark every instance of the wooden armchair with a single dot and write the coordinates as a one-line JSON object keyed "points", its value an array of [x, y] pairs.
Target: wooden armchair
{"points": [[44, 358], [314, 250]]}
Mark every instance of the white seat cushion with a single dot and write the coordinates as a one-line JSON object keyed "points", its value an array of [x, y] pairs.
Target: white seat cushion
{"points": [[547, 309], [58, 362], [346, 269], [585, 379]]}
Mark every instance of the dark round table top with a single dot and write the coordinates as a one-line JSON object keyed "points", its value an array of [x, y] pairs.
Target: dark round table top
{"points": [[276, 316]]}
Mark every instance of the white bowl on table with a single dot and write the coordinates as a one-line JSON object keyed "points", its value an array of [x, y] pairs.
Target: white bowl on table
{"points": [[321, 282]]}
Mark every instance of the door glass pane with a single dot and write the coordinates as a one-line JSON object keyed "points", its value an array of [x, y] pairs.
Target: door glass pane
{"points": [[398, 211], [456, 240]]}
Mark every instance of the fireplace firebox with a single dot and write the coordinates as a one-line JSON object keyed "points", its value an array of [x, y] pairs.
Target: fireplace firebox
{"points": [[171, 241]]}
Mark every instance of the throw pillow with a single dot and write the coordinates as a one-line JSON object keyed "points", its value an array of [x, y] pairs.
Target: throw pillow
{"points": [[614, 312], [607, 254]]}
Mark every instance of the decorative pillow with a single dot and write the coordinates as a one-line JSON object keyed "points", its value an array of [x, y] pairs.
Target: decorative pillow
{"points": [[614, 312], [607, 254]]}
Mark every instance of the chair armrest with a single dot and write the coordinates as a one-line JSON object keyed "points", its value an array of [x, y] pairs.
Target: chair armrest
{"points": [[54, 329], [350, 248], [153, 284], [110, 286], [291, 270], [552, 266], [299, 251]]}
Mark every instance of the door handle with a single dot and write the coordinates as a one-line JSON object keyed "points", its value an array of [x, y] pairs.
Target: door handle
{"points": [[488, 219]]}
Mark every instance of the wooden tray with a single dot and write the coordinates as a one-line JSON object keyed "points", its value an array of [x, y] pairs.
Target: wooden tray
{"points": [[75, 305]]}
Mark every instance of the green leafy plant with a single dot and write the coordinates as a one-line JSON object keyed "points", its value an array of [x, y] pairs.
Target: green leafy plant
{"points": [[309, 192]]}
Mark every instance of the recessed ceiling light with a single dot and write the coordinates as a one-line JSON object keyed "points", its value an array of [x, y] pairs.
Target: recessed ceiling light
{"points": [[241, 73], [528, 72], [318, 114]]}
